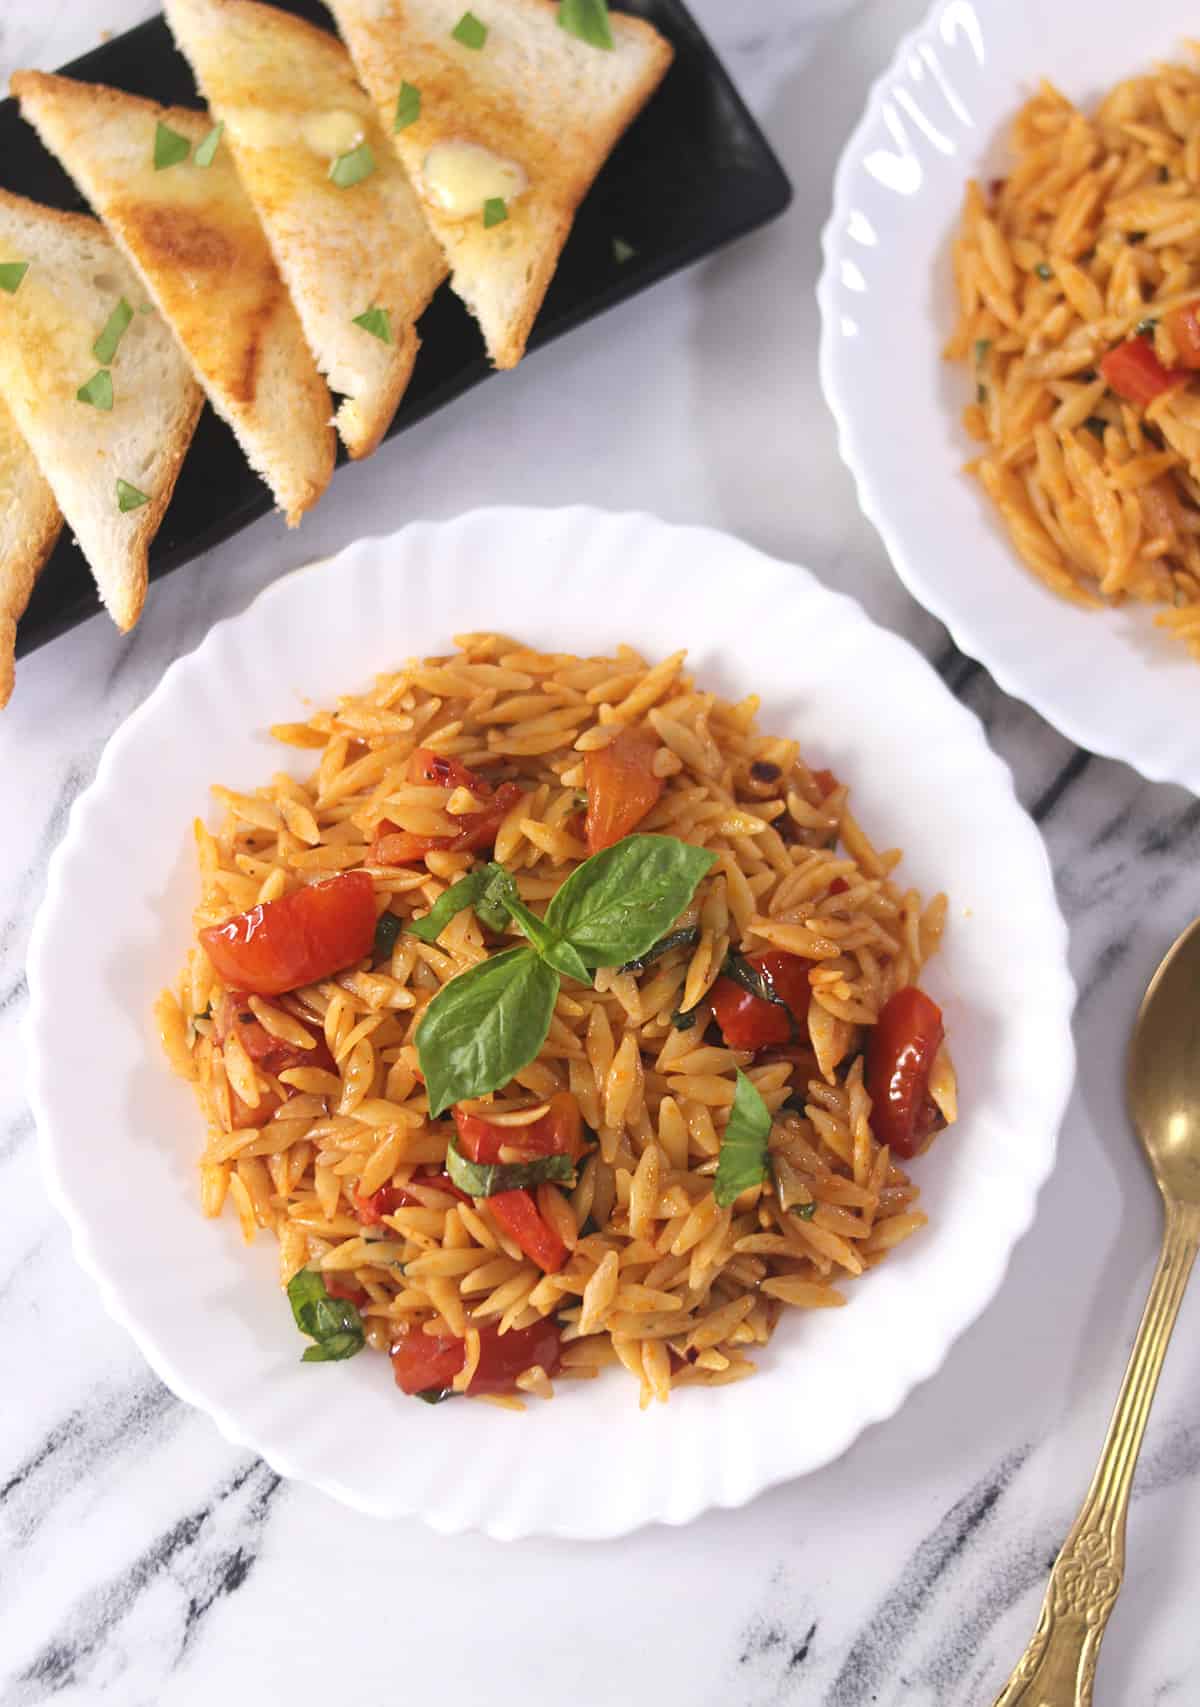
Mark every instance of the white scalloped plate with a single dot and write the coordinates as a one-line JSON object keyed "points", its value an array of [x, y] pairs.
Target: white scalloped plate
{"points": [[120, 1135], [1107, 679]]}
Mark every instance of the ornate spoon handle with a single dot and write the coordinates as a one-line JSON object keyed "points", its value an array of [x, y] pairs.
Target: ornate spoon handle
{"points": [[1058, 1667]]}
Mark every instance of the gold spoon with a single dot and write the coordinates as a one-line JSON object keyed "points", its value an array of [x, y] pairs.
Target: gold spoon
{"points": [[1058, 1667]]}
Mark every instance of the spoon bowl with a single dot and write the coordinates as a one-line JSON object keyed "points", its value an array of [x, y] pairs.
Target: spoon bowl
{"points": [[1163, 1077]]}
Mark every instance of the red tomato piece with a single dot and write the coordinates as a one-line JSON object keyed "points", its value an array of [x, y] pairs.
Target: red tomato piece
{"points": [[749, 1022], [621, 787], [839, 886], [522, 1220], [427, 766], [900, 1056], [422, 1361], [559, 1132], [1135, 373], [272, 1054], [299, 939], [341, 1286], [1184, 327], [391, 846], [243, 1115], [371, 1210]]}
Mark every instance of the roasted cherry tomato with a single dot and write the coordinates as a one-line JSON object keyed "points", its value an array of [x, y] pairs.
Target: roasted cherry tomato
{"points": [[272, 1054], [900, 1056], [519, 1216], [621, 787], [748, 1021], [1135, 373], [371, 1210], [422, 1361], [299, 939], [341, 1286], [1184, 327], [559, 1132], [392, 846]]}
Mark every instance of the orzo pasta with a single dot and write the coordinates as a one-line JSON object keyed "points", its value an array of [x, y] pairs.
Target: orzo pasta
{"points": [[1078, 278], [662, 1150]]}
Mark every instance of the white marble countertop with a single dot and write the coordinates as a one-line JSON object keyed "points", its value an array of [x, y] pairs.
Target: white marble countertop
{"points": [[143, 1560]]}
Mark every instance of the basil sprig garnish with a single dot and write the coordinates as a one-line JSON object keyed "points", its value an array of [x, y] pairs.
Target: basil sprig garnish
{"points": [[743, 1160], [488, 1179], [334, 1323], [490, 1021]]}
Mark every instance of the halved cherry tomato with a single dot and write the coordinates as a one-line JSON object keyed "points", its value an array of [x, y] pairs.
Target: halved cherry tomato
{"points": [[341, 1286], [519, 1216], [1184, 327], [308, 935], [1135, 373], [243, 1115], [476, 830], [422, 1361], [749, 1022], [272, 1054], [371, 1210], [900, 1055], [621, 787], [559, 1132]]}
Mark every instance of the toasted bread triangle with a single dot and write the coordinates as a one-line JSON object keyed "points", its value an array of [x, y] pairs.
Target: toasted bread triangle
{"points": [[533, 95], [30, 521], [193, 236], [276, 82], [48, 325]]}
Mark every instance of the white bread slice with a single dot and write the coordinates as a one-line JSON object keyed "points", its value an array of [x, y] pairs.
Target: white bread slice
{"points": [[274, 81], [193, 235], [30, 521], [76, 278], [533, 95]]}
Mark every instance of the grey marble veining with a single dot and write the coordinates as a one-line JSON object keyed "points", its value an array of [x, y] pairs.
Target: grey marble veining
{"points": [[143, 1560]]}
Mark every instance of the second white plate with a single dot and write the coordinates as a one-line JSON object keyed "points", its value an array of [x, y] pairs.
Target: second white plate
{"points": [[1107, 679], [120, 1135]]}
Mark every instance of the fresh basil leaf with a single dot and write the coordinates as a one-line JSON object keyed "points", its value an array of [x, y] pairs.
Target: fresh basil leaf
{"points": [[352, 167], [387, 929], [206, 148], [743, 1159], [566, 958], [489, 887], [982, 346], [11, 274], [617, 904], [484, 1026], [334, 1323], [683, 1021], [115, 327], [587, 19], [408, 107], [435, 1395], [688, 937], [495, 212], [470, 31], [487, 1179], [129, 497], [491, 904], [803, 1211], [169, 147], [98, 391]]}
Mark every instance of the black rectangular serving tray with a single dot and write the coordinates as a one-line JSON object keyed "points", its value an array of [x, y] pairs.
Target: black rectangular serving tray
{"points": [[693, 172]]}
